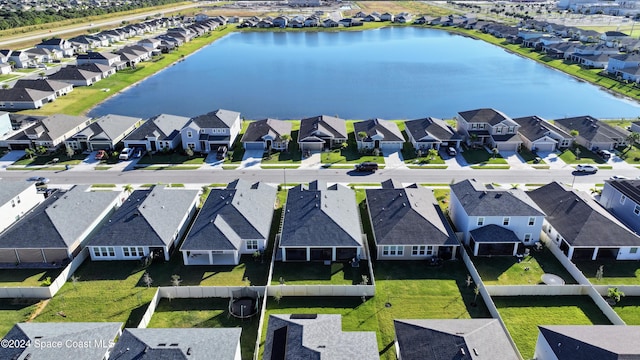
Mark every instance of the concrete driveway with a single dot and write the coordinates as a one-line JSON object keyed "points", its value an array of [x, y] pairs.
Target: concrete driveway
{"points": [[514, 160], [251, 159], [394, 160], [10, 158]]}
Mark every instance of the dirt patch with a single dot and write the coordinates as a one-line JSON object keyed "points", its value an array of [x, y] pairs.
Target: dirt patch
{"points": [[41, 305]]}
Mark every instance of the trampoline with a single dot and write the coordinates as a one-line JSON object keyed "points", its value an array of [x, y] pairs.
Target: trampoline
{"points": [[244, 303], [551, 279]]}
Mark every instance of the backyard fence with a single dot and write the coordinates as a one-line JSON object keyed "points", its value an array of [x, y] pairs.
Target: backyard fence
{"points": [[146, 318], [196, 292], [605, 307], [46, 292], [571, 267], [537, 290], [321, 290]]}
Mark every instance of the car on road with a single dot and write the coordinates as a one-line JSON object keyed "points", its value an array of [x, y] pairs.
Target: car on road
{"points": [[39, 180], [586, 169], [126, 154], [101, 155], [366, 167], [619, 177]]}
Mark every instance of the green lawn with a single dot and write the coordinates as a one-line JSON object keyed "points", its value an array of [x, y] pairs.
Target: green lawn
{"points": [[630, 154], [316, 273], [586, 156], [105, 291], [411, 156], [482, 157], [443, 196], [205, 313], [63, 159], [505, 270], [27, 277], [248, 272], [523, 314], [629, 310], [173, 158], [615, 272], [293, 154], [13, 311], [528, 156]]}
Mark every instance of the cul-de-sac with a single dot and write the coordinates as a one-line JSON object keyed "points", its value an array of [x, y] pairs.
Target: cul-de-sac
{"points": [[311, 179]]}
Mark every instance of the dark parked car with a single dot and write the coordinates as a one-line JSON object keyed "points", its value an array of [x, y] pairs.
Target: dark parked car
{"points": [[367, 166], [139, 152], [221, 153]]}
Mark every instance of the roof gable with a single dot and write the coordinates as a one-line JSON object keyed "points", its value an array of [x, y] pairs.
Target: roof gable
{"points": [[477, 201], [388, 129], [218, 119], [592, 342]]}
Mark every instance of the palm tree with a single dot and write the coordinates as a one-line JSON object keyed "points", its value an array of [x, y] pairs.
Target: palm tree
{"points": [[128, 188], [495, 152], [633, 138], [432, 153], [574, 134], [362, 135], [286, 138]]}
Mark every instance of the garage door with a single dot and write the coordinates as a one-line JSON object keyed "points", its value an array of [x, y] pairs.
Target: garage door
{"points": [[389, 148], [507, 146], [311, 146], [18, 146], [100, 146], [544, 147], [254, 145]]}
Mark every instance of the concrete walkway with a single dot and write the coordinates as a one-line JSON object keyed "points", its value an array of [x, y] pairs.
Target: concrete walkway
{"points": [[10, 158]]}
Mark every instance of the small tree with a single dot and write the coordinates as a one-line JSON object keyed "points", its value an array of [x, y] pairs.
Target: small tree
{"points": [[495, 152], [41, 150], [578, 152], [362, 135], [614, 295], [74, 280], [147, 280], [29, 152], [365, 280], [600, 273], [189, 152], [376, 152], [574, 134], [432, 153], [476, 292], [277, 296], [344, 145], [286, 138], [633, 138], [175, 280]]}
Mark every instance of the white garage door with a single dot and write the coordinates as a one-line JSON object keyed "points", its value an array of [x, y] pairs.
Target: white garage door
{"points": [[544, 147]]}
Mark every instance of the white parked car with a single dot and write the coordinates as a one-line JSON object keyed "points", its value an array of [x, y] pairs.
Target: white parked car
{"points": [[126, 154], [587, 169], [619, 177]]}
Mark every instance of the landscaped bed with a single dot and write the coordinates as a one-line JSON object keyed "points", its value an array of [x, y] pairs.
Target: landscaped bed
{"points": [[316, 273], [506, 270], [614, 272], [205, 313], [523, 314]]}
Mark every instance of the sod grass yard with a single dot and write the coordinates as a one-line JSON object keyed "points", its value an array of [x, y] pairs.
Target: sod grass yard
{"points": [[586, 156], [13, 311], [523, 314], [629, 310], [614, 272], [506, 270], [27, 277], [206, 313], [482, 157], [316, 273], [105, 291], [172, 158]]}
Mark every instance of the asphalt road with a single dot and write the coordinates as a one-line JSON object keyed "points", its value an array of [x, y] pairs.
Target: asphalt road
{"points": [[524, 176]]}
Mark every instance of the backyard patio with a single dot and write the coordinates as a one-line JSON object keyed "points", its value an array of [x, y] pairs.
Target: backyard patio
{"points": [[317, 273]]}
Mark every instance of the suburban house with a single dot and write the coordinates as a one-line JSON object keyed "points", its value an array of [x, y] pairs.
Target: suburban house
{"points": [[22, 99], [489, 127], [593, 133], [622, 198], [205, 133], [408, 224], [143, 344], [622, 62], [40, 56], [21, 59], [267, 134], [151, 44], [321, 223], [431, 133], [378, 134], [149, 223], [232, 222], [76, 76], [316, 336], [59, 88], [581, 228], [84, 340], [441, 339], [103, 133], [321, 133], [104, 58], [49, 132], [16, 198], [494, 222], [635, 126], [156, 133], [54, 231], [602, 342], [5, 68], [104, 70], [539, 135], [57, 44]]}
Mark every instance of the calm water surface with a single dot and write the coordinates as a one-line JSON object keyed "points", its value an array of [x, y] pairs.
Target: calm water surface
{"points": [[392, 73]]}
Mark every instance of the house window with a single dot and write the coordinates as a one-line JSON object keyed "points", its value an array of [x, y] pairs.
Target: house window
{"points": [[104, 251], [252, 244], [480, 221], [13, 203], [633, 250], [135, 252], [532, 221], [527, 237], [189, 134], [418, 250], [512, 129], [505, 221], [202, 131], [622, 199], [636, 210], [191, 146], [499, 130], [393, 250]]}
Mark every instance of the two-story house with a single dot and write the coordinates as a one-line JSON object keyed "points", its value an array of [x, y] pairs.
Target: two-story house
{"points": [[494, 222], [49, 132], [538, 134], [622, 198], [489, 127], [205, 133], [16, 198], [57, 44]]}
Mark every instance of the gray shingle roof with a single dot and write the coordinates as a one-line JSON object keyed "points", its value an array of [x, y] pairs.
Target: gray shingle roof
{"points": [[388, 129], [71, 73], [177, 344], [320, 337], [478, 201], [494, 234], [318, 215], [45, 85], [23, 95], [60, 220], [99, 335], [321, 126], [590, 128], [628, 188], [109, 127], [579, 219], [164, 127], [490, 116], [408, 217], [218, 119], [430, 129], [260, 128], [241, 211], [11, 189], [592, 342], [55, 126], [147, 218], [534, 127], [460, 339]]}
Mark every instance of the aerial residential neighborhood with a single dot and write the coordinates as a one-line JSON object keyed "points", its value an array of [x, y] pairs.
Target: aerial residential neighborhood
{"points": [[313, 179]]}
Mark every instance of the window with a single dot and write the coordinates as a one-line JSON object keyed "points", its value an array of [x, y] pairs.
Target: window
{"points": [[622, 199], [499, 130], [135, 252], [13, 203], [532, 221], [512, 129], [252, 244], [505, 221], [527, 237], [392, 250], [418, 250], [633, 250], [191, 146], [104, 251], [189, 134], [480, 221], [636, 210]]}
